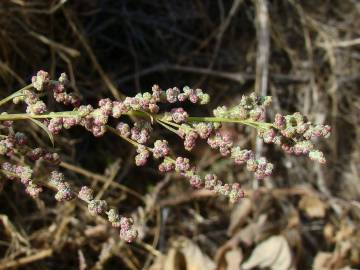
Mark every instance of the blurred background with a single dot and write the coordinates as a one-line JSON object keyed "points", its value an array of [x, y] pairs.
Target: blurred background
{"points": [[306, 54]]}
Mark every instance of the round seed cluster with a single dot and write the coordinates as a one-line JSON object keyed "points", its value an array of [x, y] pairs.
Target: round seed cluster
{"points": [[64, 190], [24, 174], [293, 133], [86, 194]]}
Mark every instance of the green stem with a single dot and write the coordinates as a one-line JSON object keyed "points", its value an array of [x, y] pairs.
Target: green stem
{"points": [[117, 133], [15, 94], [26, 116], [165, 125], [158, 118], [228, 120], [137, 113]]}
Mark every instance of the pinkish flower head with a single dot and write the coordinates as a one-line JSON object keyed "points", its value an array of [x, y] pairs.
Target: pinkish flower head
{"points": [[40, 80], [166, 166], [161, 149], [86, 194], [182, 164], [97, 207], [114, 218], [179, 115], [172, 94]]}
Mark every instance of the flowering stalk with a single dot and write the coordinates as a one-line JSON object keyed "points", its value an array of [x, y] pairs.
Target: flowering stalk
{"points": [[293, 133], [17, 144]]}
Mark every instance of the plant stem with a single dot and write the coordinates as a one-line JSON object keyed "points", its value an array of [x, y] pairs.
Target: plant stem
{"points": [[229, 120], [165, 125], [117, 133], [26, 116], [15, 94], [158, 118]]}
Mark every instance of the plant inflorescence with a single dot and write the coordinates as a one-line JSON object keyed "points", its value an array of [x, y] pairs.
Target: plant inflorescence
{"points": [[292, 133]]}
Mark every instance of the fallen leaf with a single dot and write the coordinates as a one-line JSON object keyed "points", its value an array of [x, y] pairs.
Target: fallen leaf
{"points": [[184, 255], [329, 232], [321, 261], [273, 253], [345, 232], [174, 260], [233, 258], [312, 206], [252, 231], [239, 214], [195, 258]]}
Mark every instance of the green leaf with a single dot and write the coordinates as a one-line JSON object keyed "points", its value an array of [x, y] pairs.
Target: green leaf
{"points": [[41, 125]]}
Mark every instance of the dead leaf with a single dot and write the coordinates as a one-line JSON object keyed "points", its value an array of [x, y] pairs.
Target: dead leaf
{"points": [[312, 206], [239, 214], [184, 255], [174, 260], [329, 232], [82, 260], [273, 253], [195, 258], [233, 258], [252, 231], [158, 263], [321, 261], [345, 231]]}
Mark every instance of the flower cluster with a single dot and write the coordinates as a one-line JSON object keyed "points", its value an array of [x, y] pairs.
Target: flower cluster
{"points": [[234, 192], [63, 188], [182, 165], [293, 133], [161, 149], [24, 173], [142, 156], [41, 82], [225, 144], [100, 207], [17, 143], [179, 115], [261, 167], [251, 107], [95, 119], [38, 153], [141, 132], [173, 95]]}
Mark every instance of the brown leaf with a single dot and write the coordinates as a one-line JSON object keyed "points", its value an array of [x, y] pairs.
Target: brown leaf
{"points": [[321, 261], [252, 231], [195, 258], [273, 253], [184, 255], [312, 206], [239, 214], [233, 258]]}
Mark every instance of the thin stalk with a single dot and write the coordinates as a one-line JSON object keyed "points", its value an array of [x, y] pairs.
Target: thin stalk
{"points": [[15, 94], [26, 116], [117, 133], [166, 126], [227, 120]]}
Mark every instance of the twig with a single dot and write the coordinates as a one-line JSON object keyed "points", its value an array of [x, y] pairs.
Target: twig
{"points": [[114, 91], [240, 77], [342, 44], [262, 60], [99, 177], [26, 260]]}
